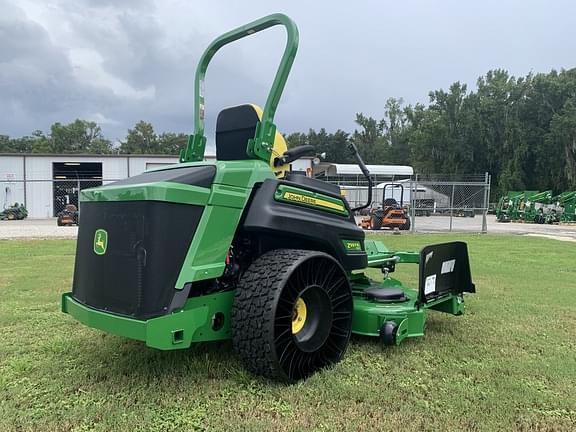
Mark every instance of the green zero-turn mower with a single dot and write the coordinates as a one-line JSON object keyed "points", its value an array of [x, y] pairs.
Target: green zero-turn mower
{"points": [[241, 248]]}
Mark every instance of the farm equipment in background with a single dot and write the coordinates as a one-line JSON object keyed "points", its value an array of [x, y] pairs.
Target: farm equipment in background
{"points": [[68, 216], [424, 206], [521, 203], [507, 208], [464, 212], [241, 248], [16, 211], [567, 202], [391, 214], [537, 207], [552, 215]]}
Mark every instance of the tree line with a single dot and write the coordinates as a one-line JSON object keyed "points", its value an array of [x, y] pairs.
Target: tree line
{"points": [[82, 136], [520, 130]]}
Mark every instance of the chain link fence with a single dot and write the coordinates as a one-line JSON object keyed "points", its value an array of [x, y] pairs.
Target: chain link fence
{"points": [[45, 198], [433, 203], [441, 203], [65, 193]]}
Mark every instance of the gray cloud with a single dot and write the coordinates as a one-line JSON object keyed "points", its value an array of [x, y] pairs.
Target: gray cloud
{"points": [[121, 61], [37, 83]]}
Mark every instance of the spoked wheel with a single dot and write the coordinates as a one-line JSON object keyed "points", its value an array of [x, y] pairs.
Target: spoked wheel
{"points": [[292, 314]]}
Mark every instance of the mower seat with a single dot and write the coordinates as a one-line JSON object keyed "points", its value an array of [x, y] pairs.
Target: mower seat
{"points": [[390, 202], [234, 127], [385, 295]]}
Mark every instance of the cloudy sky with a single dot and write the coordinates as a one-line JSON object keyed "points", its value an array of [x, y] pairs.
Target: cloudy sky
{"points": [[120, 61]]}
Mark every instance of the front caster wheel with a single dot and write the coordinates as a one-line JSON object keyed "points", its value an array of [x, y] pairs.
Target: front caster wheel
{"points": [[292, 314], [388, 333]]}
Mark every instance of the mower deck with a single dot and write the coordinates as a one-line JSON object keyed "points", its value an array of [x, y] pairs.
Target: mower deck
{"points": [[410, 317], [376, 304]]}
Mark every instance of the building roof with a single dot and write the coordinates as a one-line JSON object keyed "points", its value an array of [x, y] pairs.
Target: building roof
{"points": [[107, 155], [352, 169], [98, 155]]}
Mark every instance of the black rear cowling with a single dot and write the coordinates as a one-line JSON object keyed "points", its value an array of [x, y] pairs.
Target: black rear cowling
{"points": [[283, 225], [147, 245], [199, 175]]}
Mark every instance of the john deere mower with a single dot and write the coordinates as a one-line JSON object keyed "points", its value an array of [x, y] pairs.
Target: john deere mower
{"points": [[16, 211], [392, 214], [254, 253]]}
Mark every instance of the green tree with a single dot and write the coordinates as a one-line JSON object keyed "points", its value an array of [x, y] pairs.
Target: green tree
{"points": [[35, 143], [500, 100], [171, 143], [396, 132], [369, 139], [296, 139], [80, 136], [5, 144], [333, 144], [562, 140], [141, 140]]}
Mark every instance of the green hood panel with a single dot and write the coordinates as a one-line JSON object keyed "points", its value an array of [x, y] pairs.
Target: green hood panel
{"points": [[161, 191], [231, 181]]}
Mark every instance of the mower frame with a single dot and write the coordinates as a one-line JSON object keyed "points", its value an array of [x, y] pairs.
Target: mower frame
{"points": [[246, 253]]}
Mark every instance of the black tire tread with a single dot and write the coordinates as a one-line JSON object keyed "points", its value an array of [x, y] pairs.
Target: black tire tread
{"points": [[254, 308], [376, 222]]}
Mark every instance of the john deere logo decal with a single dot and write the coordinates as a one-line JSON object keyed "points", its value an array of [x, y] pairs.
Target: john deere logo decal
{"points": [[100, 241], [311, 201]]}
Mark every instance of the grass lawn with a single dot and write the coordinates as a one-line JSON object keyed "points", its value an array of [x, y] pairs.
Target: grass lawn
{"points": [[508, 364]]}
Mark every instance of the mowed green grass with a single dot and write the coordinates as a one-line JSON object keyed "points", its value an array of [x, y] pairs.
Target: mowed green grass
{"points": [[508, 364]]}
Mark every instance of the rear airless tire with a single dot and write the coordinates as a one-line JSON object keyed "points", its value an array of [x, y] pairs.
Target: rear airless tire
{"points": [[292, 314]]}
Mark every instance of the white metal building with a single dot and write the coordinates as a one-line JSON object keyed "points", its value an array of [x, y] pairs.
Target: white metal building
{"points": [[45, 183], [350, 170], [354, 185], [34, 179]]}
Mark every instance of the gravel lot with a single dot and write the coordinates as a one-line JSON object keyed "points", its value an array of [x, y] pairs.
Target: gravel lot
{"points": [[47, 228], [35, 228], [442, 224]]}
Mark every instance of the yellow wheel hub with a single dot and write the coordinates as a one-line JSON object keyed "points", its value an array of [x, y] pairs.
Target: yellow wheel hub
{"points": [[298, 316]]}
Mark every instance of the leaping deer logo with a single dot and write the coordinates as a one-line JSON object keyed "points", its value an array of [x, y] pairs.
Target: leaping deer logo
{"points": [[100, 241]]}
